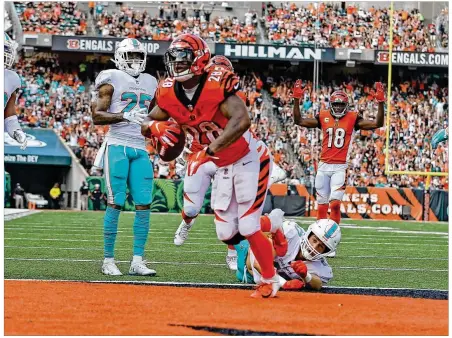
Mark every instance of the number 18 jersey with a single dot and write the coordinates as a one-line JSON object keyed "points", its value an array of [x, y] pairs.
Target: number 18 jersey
{"points": [[129, 93], [337, 136]]}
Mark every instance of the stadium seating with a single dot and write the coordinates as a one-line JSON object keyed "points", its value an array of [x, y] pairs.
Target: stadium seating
{"points": [[140, 24], [329, 25], [51, 18]]}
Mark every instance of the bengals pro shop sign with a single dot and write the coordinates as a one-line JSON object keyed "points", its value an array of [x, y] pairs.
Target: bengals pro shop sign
{"points": [[101, 45], [413, 59]]}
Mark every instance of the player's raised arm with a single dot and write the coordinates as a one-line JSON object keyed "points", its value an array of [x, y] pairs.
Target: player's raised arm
{"points": [[379, 121], [239, 122], [303, 122]]}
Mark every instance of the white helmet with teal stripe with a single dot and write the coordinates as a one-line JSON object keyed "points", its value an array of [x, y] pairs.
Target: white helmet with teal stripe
{"points": [[130, 57], [10, 51], [328, 232]]}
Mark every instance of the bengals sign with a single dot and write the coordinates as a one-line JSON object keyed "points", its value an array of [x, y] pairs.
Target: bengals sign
{"points": [[381, 203], [101, 45], [413, 59]]}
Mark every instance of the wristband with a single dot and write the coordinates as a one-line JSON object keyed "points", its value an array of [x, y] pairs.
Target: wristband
{"points": [[12, 124], [308, 278], [209, 152]]}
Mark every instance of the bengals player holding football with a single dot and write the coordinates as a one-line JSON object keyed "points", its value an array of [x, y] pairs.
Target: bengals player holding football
{"points": [[338, 125], [204, 104], [195, 186]]}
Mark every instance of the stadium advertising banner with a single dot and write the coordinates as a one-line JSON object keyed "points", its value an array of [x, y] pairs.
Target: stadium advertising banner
{"points": [[273, 52], [93, 44], [380, 203], [43, 147], [412, 59]]}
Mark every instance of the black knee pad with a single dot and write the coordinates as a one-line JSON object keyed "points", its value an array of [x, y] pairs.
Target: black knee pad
{"points": [[234, 240]]}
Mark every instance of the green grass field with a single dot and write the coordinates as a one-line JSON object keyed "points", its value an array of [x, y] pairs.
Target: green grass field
{"points": [[69, 246]]}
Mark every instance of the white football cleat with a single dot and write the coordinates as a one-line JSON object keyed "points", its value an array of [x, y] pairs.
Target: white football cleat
{"points": [[139, 268], [231, 261], [278, 174], [182, 232], [109, 267], [276, 218]]}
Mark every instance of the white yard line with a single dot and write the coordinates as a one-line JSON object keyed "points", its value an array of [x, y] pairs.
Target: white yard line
{"points": [[209, 252], [69, 260]]}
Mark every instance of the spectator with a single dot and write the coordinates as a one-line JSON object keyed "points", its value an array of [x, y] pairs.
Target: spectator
{"points": [[84, 191], [96, 197], [19, 196], [55, 194]]}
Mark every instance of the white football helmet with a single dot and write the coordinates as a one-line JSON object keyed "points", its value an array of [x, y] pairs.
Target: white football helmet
{"points": [[10, 51], [124, 60], [328, 231]]}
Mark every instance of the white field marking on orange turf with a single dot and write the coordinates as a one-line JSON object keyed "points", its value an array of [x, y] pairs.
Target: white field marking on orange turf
{"points": [[69, 260], [210, 252], [188, 284]]}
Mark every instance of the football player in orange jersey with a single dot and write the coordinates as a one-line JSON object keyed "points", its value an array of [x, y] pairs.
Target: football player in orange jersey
{"points": [[204, 104], [338, 125], [195, 186]]}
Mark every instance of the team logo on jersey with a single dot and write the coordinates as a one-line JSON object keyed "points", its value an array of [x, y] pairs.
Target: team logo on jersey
{"points": [[327, 119], [73, 44], [383, 57]]}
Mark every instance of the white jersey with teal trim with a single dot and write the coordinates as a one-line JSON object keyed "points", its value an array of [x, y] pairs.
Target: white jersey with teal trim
{"points": [[294, 233], [128, 93], [12, 83]]}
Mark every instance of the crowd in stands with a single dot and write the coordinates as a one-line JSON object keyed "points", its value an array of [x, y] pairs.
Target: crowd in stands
{"points": [[419, 107], [62, 18], [54, 96], [173, 20], [330, 25]]}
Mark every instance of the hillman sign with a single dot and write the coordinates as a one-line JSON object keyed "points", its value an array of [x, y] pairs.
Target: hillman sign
{"points": [[413, 58], [289, 53]]}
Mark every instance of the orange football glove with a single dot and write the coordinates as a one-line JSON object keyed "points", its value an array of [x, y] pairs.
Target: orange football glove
{"points": [[300, 268], [280, 243], [297, 91], [197, 159], [294, 284], [380, 93], [165, 132]]}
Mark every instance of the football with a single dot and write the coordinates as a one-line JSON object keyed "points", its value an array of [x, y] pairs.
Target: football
{"points": [[171, 153]]}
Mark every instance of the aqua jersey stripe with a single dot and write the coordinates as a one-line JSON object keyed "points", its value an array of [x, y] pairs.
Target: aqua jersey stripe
{"points": [[331, 231]]}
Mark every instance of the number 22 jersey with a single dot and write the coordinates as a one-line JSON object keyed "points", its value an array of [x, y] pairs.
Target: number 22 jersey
{"points": [[201, 116]]}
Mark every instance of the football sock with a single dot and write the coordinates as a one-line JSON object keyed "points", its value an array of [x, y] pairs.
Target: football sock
{"points": [[262, 249], [187, 219], [110, 230], [140, 231], [322, 212], [336, 211]]}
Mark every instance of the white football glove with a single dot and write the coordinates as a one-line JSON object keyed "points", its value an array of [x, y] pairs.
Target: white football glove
{"points": [[136, 115], [21, 138]]}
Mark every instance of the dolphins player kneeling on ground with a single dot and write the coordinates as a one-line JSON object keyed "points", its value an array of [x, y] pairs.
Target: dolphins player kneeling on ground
{"points": [[304, 262]]}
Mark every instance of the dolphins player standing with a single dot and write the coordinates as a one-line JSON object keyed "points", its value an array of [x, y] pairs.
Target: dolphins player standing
{"points": [[124, 96], [12, 85]]}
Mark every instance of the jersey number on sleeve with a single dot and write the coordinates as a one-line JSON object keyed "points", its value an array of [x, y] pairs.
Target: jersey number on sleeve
{"points": [[336, 137], [133, 100]]}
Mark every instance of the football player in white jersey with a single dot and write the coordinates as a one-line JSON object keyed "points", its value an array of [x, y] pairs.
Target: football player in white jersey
{"points": [[304, 261], [12, 85], [124, 97]]}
